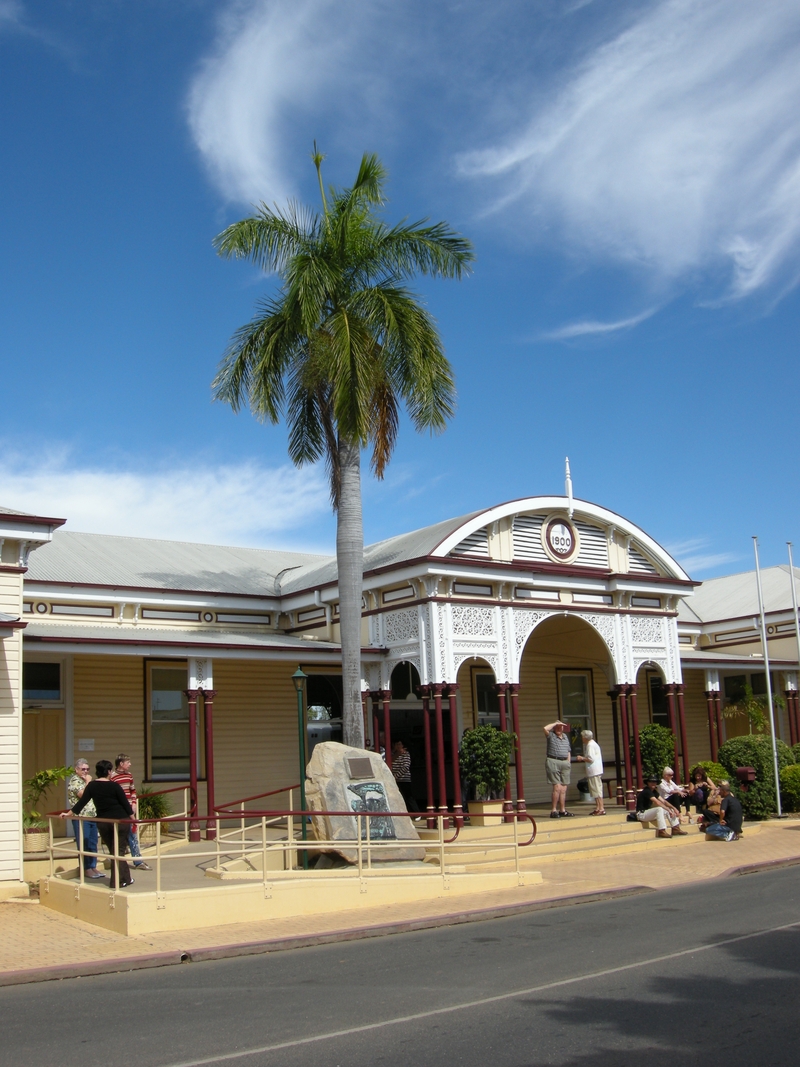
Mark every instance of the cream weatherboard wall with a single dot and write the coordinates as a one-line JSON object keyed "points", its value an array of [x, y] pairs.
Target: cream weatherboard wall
{"points": [[255, 722], [19, 535], [10, 734]]}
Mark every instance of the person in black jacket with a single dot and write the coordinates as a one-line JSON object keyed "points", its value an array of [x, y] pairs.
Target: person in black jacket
{"points": [[110, 803]]}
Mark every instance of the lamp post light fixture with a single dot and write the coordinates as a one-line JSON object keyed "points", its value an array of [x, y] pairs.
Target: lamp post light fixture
{"points": [[299, 680]]}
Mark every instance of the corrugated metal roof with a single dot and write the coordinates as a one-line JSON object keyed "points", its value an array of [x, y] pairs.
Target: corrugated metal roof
{"points": [[382, 554], [699, 657], [142, 563], [736, 595], [167, 636]]}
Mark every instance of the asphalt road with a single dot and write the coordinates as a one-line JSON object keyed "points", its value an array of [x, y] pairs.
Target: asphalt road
{"points": [[705, 974]]}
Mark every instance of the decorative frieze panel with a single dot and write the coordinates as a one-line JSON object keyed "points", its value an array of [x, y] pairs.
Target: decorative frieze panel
{"points": [[472, 621], [657, 661], [525, 622], [392, 663], [401, 627], [647, 630], [492, 660]]}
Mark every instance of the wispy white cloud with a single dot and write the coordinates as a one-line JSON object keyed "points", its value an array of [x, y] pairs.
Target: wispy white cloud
{"points": [[587, 327], [233, 504], [11, 13], [674, 146], [266, 57], [694, 557]]}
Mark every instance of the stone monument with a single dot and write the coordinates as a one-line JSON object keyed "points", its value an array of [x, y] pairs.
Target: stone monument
{"points": [[342, 778]]}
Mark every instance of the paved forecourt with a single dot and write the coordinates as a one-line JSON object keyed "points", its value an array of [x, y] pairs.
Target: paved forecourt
{"points": [[37, 943]]}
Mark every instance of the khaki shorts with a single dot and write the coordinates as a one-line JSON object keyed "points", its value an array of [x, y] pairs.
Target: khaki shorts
{"points": [[595, 786], [557, 771]]}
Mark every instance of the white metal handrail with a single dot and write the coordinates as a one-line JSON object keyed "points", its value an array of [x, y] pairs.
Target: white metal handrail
{"points": [[366, 846]]}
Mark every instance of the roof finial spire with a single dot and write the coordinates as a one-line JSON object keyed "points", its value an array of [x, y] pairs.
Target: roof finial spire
{"points": [[568, 488]]}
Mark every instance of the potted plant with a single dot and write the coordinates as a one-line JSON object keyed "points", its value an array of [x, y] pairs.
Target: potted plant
{"points": [[151, 806], [35, 833], [483, 757]]}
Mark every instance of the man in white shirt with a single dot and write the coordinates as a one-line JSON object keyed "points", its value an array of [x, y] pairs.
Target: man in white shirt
{"points": [[593, 758]]}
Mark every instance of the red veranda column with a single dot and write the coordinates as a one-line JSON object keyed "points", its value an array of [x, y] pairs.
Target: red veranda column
{"points": [[612, 696], [387, 725], [669, 689], [712, 725], [458, 810], [635, 728], [682, 728], [513, 692], [630, 798], [437, 711], [194, 825], [508, 807], [425, 692], [208, 719]]}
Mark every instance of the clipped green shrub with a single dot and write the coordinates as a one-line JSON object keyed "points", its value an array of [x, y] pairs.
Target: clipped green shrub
{"points": [[796, 752], [790, 787], [483, 758], [715, 771], [755, 750], [657, 744]]}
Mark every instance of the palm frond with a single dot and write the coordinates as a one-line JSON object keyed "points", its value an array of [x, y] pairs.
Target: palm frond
{"points": [[254, 365], [270, 239], [417, 248], [385, 422]]}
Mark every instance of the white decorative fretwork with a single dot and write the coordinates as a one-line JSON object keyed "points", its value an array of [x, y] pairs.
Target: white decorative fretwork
{"points": [[401, 627], [525, 622], [472, 621], [654, 661], [647, 630], [459, 658]]}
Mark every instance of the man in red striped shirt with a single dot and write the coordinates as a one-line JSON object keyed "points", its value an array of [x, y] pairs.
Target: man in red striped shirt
{"points": [[122, 775]]}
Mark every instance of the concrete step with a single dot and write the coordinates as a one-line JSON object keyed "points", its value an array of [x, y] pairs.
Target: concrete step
{"points": [[591, 848]]}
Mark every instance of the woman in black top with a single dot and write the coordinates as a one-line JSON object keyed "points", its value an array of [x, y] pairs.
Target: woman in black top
{"points": [[111, 803]]}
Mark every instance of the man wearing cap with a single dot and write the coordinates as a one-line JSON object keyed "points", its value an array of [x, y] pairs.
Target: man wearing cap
{"points": [[557, 766], [651, 807]]}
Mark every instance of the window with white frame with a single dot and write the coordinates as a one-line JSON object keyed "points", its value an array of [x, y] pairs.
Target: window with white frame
{"points": [[575, 704], [168, 720]]}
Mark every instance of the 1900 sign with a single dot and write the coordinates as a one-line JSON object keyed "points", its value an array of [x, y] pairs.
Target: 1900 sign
{"points": [[561, 539]]}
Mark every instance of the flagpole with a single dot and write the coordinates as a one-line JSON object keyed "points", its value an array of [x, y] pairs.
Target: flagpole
{"points": [[769, 680], [794, 598], [568, 489]]}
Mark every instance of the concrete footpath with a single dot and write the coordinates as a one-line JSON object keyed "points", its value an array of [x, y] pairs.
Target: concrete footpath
{"points": [[37, 944]]}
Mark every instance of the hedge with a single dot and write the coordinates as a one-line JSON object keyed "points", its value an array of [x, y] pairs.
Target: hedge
{"points": [[790, 787], [755, 750], [657, 745]]}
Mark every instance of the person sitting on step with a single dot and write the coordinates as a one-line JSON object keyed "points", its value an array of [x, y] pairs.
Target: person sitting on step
{"points": [[673, 793], [651, 807]]}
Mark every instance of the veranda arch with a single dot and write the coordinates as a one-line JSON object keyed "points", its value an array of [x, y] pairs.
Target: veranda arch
{"points": [[567, 670]]}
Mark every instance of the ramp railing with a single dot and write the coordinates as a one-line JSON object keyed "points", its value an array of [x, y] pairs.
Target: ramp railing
{"points": [[252, 835]]}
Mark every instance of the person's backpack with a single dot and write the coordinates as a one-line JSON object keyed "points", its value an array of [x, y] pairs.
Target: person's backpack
{"points": [[724, 833]]}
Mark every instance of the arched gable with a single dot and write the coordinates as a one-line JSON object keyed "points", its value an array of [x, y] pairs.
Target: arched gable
{"points": [[513, 532]]}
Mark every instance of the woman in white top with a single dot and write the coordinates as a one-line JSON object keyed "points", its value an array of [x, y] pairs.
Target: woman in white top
{"points": [[593, 757]]}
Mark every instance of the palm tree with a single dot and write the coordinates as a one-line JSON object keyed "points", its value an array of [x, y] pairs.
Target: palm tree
{"points": [[337, 351]]}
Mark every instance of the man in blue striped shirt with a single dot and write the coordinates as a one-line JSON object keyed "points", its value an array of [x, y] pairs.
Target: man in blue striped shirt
{"points": [[557, 766]]}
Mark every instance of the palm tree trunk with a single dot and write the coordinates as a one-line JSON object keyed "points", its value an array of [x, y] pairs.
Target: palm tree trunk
{"points": [[350, 560]]}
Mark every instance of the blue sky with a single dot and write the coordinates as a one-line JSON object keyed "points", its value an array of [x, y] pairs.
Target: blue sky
{"points": [[629, 173]]}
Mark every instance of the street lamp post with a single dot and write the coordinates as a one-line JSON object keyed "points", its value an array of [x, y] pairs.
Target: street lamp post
{"points": [[299, 679]]}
